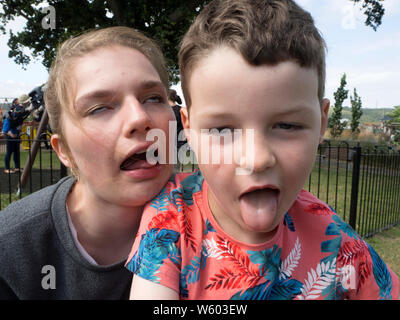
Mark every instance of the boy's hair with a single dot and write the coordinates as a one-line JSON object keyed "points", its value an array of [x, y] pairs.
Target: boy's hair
{"points": [[262, 31]]}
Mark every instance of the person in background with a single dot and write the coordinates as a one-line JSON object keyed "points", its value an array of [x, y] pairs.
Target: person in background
{"points": [[11, 129], [175, 101]]}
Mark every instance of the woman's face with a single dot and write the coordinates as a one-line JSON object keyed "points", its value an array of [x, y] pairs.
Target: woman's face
{"points": [[118, 98]]}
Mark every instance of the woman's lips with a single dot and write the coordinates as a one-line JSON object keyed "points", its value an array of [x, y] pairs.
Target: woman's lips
{"points": [[138, 161], [138, 167], [143, 170]]}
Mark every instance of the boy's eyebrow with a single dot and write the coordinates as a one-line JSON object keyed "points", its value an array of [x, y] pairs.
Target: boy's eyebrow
{"points": [[296, 109], [215, 114]]}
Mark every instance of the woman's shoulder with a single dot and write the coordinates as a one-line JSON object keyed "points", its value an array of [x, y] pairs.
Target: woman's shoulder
{"points": [[23, 212]]}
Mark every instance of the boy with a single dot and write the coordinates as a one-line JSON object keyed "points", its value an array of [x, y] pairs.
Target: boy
{"points": [[257, 66]]}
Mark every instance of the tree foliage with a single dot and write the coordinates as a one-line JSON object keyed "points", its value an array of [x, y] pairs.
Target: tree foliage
{"points": [[166, 21], [374, 11], [356, 112], [395, 115], [334, 121]]}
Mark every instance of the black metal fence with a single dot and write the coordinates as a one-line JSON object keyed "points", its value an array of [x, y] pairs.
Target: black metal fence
{"points": [[361, 184]]}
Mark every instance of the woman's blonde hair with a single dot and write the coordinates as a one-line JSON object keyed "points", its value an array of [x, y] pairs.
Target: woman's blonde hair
{"points": [[58, 95]]}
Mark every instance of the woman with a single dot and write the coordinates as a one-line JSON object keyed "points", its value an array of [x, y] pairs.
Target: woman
{"points": [[106, 90]]}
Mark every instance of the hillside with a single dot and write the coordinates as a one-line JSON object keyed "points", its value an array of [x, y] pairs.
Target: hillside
{"points": [[369, 114]]}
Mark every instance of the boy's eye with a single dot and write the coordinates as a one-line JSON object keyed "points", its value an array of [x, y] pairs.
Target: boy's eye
{"points": [[288, 126], [221, 131]]}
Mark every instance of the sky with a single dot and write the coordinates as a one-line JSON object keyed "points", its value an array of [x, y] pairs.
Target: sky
{"points": [[370, 59]]}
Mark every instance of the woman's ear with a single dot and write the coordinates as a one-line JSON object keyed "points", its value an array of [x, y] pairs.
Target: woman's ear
{"points": [[60, 149]]}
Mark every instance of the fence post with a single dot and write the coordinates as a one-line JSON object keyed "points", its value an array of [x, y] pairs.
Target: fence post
{"points": [[355, 182]]}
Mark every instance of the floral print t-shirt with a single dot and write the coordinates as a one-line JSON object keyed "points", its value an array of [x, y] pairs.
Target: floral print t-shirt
{"points": [[313, 254]]}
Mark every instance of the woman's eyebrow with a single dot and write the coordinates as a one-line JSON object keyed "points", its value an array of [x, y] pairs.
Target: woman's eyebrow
{"points": [[109, 94], [151, 84], [94, 95]]}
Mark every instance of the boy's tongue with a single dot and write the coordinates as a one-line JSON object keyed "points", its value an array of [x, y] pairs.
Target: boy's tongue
{"points": [[258, 208]]}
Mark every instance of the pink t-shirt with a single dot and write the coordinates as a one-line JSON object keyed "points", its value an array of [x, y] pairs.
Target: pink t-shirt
{"points": [[313, 255]]}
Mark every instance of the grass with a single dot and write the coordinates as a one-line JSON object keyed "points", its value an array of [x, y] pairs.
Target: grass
{"points": [[387, 245], [45, 160], [377, 201]]}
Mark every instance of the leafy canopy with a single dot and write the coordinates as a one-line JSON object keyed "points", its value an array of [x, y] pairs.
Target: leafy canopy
{"points": [[165, 21]]}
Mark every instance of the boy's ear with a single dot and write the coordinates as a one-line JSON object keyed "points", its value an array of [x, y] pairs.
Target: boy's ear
{"points": [[60, 149], [324, 117], [185, 122]]}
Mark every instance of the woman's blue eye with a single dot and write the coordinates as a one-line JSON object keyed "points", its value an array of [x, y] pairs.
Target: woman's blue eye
{"points": [[154, 99], [97, 110]]}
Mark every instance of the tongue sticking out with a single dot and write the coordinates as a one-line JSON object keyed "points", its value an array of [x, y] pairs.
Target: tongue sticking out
{"points": [[137, 161], [258, 208]]}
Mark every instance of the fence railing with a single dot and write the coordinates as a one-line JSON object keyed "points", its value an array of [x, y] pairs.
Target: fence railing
{"points": [[361, 184]]}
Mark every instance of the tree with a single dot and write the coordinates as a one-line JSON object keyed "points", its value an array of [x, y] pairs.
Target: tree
{"points": [[163, 20], [356, 113], [374, 11], [395, 115], [334, 121]]}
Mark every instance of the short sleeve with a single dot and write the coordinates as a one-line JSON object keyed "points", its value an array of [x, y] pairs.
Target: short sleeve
{"points": [[364, 275], [156, 254]]}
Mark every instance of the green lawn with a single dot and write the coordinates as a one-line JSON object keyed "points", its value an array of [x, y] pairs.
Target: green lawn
{"points": [[45, 162], [377, 198], [387, 245]]}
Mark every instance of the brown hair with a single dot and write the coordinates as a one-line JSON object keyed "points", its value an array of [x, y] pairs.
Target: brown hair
{"points": [[262, 31], [58, 93]]}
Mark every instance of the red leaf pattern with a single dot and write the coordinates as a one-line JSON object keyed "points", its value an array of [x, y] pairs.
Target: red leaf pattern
{"points": [[318, 209], [242, 273], [356, 250]]}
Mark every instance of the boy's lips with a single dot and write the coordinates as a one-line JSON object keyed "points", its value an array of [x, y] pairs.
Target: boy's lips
{"points": [[267, 186]]}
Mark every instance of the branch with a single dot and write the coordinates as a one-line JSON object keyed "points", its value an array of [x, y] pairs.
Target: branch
{"points": [[116, 7], [180, 12]]}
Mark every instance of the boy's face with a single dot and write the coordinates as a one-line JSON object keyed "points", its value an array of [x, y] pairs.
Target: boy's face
{"points": [[280, 104]]}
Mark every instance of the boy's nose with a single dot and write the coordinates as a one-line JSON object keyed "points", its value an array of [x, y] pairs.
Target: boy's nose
{"points": [[259, 155], [137, 119]]}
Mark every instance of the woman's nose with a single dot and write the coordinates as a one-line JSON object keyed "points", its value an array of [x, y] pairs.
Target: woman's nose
{"points": [[137, 119]]}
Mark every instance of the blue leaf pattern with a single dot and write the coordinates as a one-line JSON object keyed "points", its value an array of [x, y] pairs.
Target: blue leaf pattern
{"points": [[381, 274]]}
